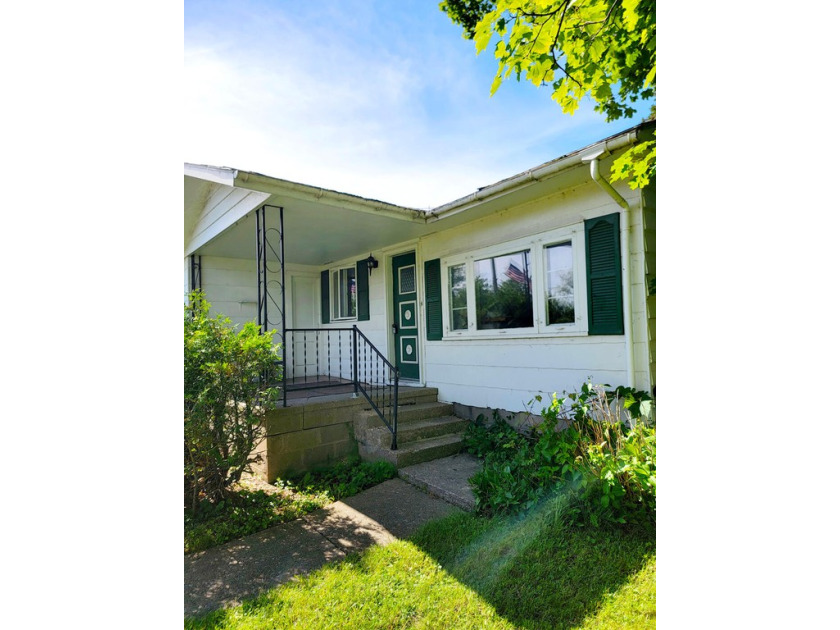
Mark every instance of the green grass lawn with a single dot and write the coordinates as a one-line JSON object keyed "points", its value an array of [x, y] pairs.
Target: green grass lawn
{"points": [[531, 571]]}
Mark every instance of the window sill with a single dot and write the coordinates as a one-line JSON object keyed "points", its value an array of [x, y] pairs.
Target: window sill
{"points": [[513, 334]]}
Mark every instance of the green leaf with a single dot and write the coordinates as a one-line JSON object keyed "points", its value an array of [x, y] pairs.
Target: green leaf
{"points": [[495, 85], [650, 76]]}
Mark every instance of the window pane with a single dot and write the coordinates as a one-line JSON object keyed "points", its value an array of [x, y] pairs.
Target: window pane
{"points": [[344, 293], [458, 297], [336, 295], [348, 290], [561, 284], [503, 292]]}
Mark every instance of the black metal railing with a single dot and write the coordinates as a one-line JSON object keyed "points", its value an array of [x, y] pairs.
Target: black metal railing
{"points": [[320, 358], [381, 382]]}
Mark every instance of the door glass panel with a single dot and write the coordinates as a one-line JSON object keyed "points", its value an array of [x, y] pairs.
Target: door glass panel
{"points": [[407, 282]]}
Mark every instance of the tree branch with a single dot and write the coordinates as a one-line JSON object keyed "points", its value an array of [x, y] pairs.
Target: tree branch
{"points": [[554, 45]]}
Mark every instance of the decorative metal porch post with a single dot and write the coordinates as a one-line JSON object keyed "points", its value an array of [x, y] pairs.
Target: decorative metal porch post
{"points": [[195, 273], [271, 281]]}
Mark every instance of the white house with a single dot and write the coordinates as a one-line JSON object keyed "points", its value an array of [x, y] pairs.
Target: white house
{"points": [[527, 286]]}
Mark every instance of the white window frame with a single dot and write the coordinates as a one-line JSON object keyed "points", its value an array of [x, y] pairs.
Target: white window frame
{"points": [[335, 272], [536, 246]]}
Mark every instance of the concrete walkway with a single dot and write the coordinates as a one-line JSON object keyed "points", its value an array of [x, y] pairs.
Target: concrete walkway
{"points": [[243, 568]]}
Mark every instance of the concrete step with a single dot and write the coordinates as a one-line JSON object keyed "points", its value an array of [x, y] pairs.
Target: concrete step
{"points": [[406, 414], [418, 394], [419, 451], [412, 396], [447, 478], [414, 430]]}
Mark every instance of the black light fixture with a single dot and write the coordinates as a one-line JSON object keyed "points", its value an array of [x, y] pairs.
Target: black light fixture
{"points": [[372, 263]]}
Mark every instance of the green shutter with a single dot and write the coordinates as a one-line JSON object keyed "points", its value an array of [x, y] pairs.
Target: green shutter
{"points": [[603, 275], [362, 292], [325, 297], [434, 305]]}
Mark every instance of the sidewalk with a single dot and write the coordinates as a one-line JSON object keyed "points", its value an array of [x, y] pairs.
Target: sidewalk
{"points": [[243, 568]]}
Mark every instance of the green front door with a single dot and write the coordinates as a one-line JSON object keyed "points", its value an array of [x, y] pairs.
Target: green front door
{"points": [[404, 326]]}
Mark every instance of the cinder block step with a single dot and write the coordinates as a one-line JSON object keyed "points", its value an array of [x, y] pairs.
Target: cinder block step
{"points": [[412, 431], [412, 396], [422, 450], [407, 414], [418, 394]]}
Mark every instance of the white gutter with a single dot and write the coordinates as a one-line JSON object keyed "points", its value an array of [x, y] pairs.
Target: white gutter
{"points": [[624, 238], [264, 183], [536, 174]]}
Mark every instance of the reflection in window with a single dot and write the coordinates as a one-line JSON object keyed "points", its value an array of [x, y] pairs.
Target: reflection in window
{"points": [[344, 293], [458, 297], [503, 292], [561, 284]]}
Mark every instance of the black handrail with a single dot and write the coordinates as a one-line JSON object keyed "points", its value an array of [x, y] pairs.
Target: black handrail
{"points": [[337, 357], [379, 393]]}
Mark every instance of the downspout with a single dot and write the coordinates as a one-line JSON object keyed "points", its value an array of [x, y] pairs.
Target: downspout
{"points": [[624, 239]]}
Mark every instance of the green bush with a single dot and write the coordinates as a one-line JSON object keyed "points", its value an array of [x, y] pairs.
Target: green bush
{"points": [[597, 444], [226, 392], [615, 450], [519, 468]]}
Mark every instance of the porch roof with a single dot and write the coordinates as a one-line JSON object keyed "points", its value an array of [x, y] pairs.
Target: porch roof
{"points": [[323, 226]]}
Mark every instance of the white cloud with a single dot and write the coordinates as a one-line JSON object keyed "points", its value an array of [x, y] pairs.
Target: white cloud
{"points": [[383, 106]]}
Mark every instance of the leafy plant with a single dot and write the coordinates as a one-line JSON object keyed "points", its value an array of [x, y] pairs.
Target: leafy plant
{"points": [[519, 468], [340, 480], [615, 449], [226, 393], [597, 443]]}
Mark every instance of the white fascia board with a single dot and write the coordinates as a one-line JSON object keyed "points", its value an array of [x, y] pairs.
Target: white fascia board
{"points": [[324, 196], [532, 176], [216, 174]]}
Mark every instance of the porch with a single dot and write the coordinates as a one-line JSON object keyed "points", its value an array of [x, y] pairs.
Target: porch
{"points": [[320, 389]]}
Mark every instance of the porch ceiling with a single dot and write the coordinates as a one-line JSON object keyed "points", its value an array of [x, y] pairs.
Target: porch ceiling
{"points": [[319, 232], [316, 233], [323, 226]]}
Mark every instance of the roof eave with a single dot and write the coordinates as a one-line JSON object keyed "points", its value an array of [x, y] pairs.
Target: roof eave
{"points": [[295, 190], [536, 174]]}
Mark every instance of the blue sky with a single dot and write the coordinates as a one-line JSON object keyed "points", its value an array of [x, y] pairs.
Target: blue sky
{"points": [[377, 98]]}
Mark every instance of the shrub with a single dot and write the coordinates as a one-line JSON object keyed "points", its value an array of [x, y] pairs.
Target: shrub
{"points": [[615, 450], [519, 468], [598, 444], [226, 376]]}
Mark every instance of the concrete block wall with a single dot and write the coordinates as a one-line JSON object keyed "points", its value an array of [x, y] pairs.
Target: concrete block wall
{"points": [[302, 438]]}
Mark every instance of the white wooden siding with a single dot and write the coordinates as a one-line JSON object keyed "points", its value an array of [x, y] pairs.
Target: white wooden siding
{"points": [[230, 285], [507, 373], [502, 373], [378, 327]]}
